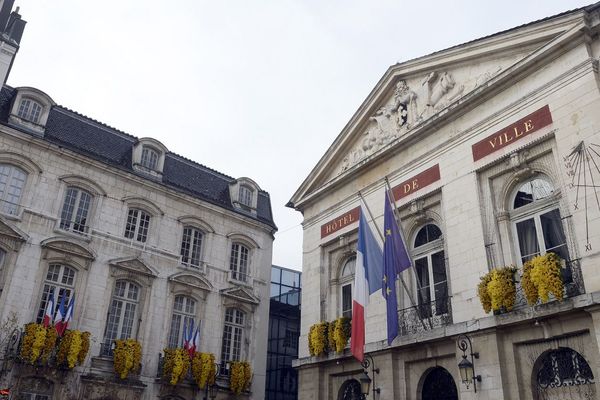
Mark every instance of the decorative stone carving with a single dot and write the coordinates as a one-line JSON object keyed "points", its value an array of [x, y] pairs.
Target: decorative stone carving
{"points": [[481, 79], [190, 280], [240, 294], [134, 266]]}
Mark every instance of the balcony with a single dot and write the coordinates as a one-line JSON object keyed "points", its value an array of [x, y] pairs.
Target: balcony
{"points": [[199, 266], [239, 278], [425, 316], [77, 227]]}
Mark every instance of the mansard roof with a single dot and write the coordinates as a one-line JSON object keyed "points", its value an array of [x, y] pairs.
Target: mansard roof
{"points": [[86, 136]]}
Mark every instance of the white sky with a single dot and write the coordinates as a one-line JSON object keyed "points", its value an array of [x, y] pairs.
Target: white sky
{"points": [[247, 87]]}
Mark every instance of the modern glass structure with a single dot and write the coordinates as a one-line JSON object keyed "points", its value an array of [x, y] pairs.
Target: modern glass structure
{"points": [[284, 330]]}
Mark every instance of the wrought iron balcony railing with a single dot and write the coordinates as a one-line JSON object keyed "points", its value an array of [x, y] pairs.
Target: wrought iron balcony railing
{"points": [[425, 316]]}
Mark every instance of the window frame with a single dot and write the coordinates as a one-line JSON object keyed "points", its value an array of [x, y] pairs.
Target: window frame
{"points": [[227, 353], [184, 319], [108, 340], [4, 202], [70, 225], [30, 114], [59, 288], [235, 265], [346, 281], [246, 196], [147, 160], [137, 225], [188, 259]]}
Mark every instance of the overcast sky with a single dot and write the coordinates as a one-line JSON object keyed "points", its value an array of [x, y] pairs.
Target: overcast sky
{"points": [[249, 88]]}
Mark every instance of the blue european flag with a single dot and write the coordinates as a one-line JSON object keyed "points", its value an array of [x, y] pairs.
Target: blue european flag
{"points": [[395, 260]]}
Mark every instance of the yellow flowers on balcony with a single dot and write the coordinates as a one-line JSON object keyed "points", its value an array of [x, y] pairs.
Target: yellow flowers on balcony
{"points": [[541, 277], [176, 366], [203, 369], [329, 336], [240, 377], [127, 357], [497, 289], [34, 342], [73, 348]]}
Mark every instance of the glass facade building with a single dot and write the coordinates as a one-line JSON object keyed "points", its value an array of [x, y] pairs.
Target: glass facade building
{"points": [[284, 330]]}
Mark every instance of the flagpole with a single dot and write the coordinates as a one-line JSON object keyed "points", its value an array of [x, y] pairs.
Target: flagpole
{"points": [[390, 192], [383, 240]]}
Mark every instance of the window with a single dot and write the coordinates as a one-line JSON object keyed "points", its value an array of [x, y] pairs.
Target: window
{"points": [[538, 223], [29, 110], [12, 181], [430, 266], [238, 263], [60, 280], [138, 222], [346, 281], [245, 196], [184, 310], [191, 245], [75, 210], [2, 257], [233, 334], [122, 315], [149, 158]]}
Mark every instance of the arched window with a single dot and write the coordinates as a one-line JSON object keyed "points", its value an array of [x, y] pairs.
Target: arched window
{"points": [[138, 223], [184, 312], [538, 226], [191, 246], [122, 316], [238, 262], [563, 373], [12, 182], [75, 210], [430, 266], [346, 281], [149, 158], [30, 110], [350, 390], [233, 336], [245, 196], [60, 280]]}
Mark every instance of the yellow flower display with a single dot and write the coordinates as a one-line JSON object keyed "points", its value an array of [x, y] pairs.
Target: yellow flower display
{"points": [[49, 344], [497, 289], [176, 366], [339, 333], [541, 277], [34, 342], [240, 376], [73, 348], [203, 369], [127, 357], [317, 339]]}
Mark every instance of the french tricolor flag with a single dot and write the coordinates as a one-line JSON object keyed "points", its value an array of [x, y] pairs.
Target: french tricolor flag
{"points": [[60, 314], [188, 335], [367, 280], [61, 327], [195, 342], [47, 321]]}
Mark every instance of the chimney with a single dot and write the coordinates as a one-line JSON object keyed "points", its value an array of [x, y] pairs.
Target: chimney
{"points": [[11, 27]]}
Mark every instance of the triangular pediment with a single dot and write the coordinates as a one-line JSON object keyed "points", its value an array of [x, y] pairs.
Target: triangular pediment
{"points": [[7, 230], [69, 246], [240, 294], [192, 280], [133, 265], [423, 95]]}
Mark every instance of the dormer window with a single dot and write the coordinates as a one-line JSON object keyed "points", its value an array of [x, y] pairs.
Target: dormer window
{"points": [[245, 196], [149, 158], [30, 110]]}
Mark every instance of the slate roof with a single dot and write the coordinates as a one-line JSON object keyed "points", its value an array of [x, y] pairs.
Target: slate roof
{"points": [[83, 135]]}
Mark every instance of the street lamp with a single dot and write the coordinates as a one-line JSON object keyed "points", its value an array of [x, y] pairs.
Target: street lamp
{"points": [[365, 381], [466, 367], [210, 391]]}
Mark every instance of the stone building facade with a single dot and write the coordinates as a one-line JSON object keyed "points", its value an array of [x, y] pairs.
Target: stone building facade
{"points": [[145, 241], [492, 151]]}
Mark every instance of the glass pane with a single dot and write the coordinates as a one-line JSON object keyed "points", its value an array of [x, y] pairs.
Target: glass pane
{"points": [[532, 191], [528, 243], [554, 236], [289, 278], [275, 275], [439, 267], [347, 301], [426, 234], [349, 267], [421, 266], [275, 290]]}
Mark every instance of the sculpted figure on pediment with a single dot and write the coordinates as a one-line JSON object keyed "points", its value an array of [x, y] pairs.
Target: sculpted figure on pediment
{"points": [[441, 89], [405, 106]]}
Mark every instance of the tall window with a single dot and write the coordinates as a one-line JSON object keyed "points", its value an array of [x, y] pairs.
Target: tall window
{"points": [[149, 158], [245, 196], [2, 258], [233, 334], [137, 225], [60, 279], [30, 110], [537, 222], [432, 282], [191, 245], [238, 263], [12, 181], [184, 310], [122, 314], [346, 281], [75, 210]]}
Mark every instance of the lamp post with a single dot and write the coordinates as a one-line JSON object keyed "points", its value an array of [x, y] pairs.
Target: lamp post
{"points": [[365, 381], [466, 367], [210, 391]]}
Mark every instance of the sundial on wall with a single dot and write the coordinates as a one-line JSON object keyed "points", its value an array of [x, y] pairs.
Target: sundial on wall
{"points": [[583, 169]]}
